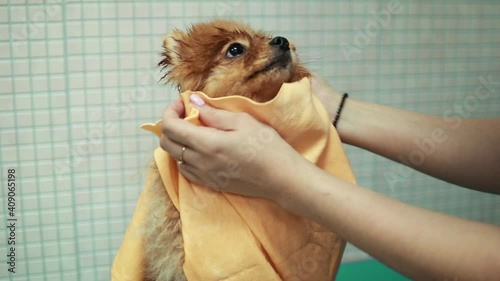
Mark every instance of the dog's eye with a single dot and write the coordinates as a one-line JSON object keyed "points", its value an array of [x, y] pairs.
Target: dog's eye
{"points": [[235, 50]]}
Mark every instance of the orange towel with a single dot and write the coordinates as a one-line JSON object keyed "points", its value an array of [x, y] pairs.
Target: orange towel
{"points": [[231, 237]]}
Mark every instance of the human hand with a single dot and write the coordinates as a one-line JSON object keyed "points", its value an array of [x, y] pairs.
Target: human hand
{"points": [[230, 154], [326, 94]]}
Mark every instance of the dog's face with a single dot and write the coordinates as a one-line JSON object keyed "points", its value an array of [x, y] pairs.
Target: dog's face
{"points": [[222, 58]]}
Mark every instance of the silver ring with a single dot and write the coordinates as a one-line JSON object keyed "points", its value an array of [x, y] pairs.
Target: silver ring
{"points": [[181, 160]]}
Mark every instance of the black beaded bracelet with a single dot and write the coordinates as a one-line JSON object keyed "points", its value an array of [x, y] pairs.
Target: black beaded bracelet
{"points": [[337, 116]]}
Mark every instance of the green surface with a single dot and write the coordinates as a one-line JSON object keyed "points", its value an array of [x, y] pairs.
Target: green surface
{"points": [[371, 270]]}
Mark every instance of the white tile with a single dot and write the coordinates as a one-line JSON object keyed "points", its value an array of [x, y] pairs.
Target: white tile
{"points": [[38, 65], [93, 63], [91, 46], [6, 102], [54, 12], [58, 99], [36, 31], [5, 68], [110, 45], [78, 115], [25, 136], [59, 117], [97, 194], [55, 48], [6, 86], [86, 245], [76, 81], [30, 203], [27, 153], [90, 11], [23, 84], [91, 28], [84, 229], [73, 11], [75, 63], [9, 154], [125, 10], [53, 266], [65, 212], [143, 10], [23, 102], [24, 119], [19, 48], [125, 28], [74, 29], [4, 32], [101, 227], [109, 10], [59, 134], [57, 66], [47, 220], [94, 81], [109, 28], [110, 62], [143, 28], [70, 275], [57, 83], [18, 13], [127, 61], [41, 134], [160, 10], [126, 45], [36, 266], [67, 232], [40, 100], [36, 15], [38, 49], [102, 243], [5, 50], [42, 119], [3, 14], [75, 46], [48, 202], [110, 80]]}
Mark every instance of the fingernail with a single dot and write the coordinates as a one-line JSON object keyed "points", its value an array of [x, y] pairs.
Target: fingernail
{"points": [[196, 100]]}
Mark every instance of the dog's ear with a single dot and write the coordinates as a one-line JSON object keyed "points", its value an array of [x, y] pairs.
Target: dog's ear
{"points": [[171, 49]]}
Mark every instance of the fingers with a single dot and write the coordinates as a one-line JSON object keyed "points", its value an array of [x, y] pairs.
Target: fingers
{"points": [[173, 120], [188, 156], [184, 133], [177, 129], [175, 110], [189, 173], [215, 118]]}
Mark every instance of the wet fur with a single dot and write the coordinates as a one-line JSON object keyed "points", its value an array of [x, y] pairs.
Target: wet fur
{"points": [[197, 61]]}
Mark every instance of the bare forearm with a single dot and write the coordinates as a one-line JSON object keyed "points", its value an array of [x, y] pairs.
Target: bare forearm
{"points": [[461, 151], [421, 244]]}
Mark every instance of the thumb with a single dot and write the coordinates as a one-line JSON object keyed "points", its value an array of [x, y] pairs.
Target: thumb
{"points": [[213, 117]]}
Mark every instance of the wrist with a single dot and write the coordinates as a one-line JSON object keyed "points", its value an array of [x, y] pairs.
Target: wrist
{"points": [[339, 109], [291, 188], [328, 96]]}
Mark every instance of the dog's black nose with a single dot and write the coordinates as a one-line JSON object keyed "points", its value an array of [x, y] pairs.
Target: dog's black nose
{"points": [[280, 42]]}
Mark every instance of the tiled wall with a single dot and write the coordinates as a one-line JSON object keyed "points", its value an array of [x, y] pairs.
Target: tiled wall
{"points": [[77, 78]]}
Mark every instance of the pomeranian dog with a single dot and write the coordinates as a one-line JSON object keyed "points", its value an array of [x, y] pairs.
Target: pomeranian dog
{"points": [[218, 58]]}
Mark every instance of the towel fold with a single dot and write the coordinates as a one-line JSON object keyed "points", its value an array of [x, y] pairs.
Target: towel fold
{"points": [[231, 237]]}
